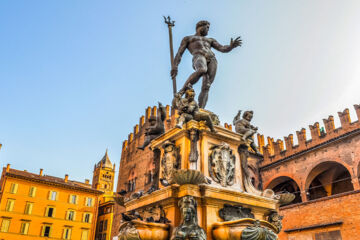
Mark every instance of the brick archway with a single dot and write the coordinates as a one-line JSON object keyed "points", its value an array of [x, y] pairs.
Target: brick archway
{"points": [[328, 178], [289, 175], [281, 184]]}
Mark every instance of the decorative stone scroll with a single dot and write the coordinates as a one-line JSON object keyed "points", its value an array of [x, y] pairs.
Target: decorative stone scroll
{"points": [[231, 213], [275, 219], [188, 228], [170, 162], [222, 164]]}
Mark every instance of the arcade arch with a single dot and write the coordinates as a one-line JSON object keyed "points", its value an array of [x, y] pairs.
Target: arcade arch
{"points": [[284, 184], [326, 179]]}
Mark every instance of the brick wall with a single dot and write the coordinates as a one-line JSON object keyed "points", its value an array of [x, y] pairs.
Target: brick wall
{"points": [[323, 212]]}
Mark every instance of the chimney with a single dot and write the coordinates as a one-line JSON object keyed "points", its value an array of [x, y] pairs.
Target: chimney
{"points": [[66, 178], [41, 171], [8, 167], [87, 181]]}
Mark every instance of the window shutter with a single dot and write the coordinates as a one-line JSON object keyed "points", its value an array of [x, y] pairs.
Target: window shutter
{"points": [[70, 198], [67, 215], [74, 216], [46, 211], [76, 199], [49, 196], [90, 217], [26, 228], [54, 212], [86, 201], [32, 191], [16, 187], [10, 205], [30, 208], [57, 196]]}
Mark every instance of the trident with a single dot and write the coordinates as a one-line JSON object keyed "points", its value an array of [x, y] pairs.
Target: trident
{"points": [[170, 25]]}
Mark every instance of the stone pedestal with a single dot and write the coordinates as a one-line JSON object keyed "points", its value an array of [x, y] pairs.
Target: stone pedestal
{"points": [[192, 147]]}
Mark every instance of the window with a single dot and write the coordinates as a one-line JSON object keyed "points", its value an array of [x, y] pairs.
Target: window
{"points": [[24, 229], [85, 234], [67, 233], [14, 188], [46, 231], [70, 215], [73, 199], [50, 212], [10, 205], [87, 217], [5, 224], [333, 235], [28, 208], [88, 202], [53, 195], [104, 236], [32, 191], [101, 226], [105, 225]]}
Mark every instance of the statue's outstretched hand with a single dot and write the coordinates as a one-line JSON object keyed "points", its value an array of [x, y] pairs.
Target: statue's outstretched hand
{"points": [[174, 72], [235, 43]]}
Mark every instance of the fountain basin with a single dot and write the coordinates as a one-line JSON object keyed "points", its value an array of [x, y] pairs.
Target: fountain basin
{"points": [[231, 230], [150, 231]]}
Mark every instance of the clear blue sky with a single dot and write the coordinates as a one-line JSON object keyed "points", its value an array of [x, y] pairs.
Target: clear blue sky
{"points": [[75, 76]]}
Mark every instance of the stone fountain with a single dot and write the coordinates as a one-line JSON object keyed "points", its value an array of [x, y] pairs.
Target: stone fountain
{"points": [[204, 189]]}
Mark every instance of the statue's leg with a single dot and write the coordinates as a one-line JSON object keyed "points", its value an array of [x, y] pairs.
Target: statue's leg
{"points": [[200, 66], [208, 79]]}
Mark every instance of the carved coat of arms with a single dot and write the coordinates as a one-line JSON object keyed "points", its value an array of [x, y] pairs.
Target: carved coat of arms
{"points": [[222, 164]]}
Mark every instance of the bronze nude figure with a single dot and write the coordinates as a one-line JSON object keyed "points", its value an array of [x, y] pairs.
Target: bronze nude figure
{"points": [[204, 61]]}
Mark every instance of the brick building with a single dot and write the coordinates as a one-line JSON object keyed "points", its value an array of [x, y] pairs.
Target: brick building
{"points": [[323, 172], [103, 180]]}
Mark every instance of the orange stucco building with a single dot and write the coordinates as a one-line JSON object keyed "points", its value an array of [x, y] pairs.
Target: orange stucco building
{"points": [[38, 206]]}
